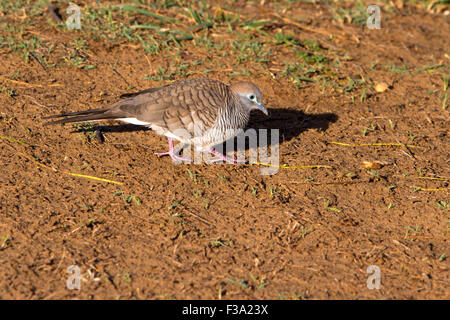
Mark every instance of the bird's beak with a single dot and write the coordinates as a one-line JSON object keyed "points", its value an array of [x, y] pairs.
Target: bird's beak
{"points": [[263, 109]]}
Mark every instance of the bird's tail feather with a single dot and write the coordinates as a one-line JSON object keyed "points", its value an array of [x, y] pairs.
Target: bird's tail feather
{"points": [[82, 116]]}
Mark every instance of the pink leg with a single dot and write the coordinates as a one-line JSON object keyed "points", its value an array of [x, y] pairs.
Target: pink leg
{"points": [[175, 157], [224, 158]]}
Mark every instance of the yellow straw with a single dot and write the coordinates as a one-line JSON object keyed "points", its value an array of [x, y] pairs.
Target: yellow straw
{"points": [[62, 171]]}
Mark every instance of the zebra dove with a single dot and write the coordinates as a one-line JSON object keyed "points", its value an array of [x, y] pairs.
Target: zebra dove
{"points": [[203, 112]]}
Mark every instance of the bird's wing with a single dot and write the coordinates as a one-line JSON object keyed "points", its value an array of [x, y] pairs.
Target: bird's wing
{"points": [[180, 106], [133, 94]]}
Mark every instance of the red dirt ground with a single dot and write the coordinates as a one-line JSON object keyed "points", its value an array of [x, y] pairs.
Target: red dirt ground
{"points": [[219, 231]]}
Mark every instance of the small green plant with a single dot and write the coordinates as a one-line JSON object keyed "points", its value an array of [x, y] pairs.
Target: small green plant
{"points": [[413, 230], [192, 175], [304, 231], [174, 205], [219, 243], [4, 241], [129, 198], [391, 124], [126, 277], [443, 204], [444, 99], [327, 206], [412, 136], [197, 193]]}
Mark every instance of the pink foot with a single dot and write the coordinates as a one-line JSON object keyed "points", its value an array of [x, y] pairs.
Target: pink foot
{"points": [[175, 157]]}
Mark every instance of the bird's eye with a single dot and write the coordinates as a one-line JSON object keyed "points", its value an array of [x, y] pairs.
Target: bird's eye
{"points": [[251, 97]]}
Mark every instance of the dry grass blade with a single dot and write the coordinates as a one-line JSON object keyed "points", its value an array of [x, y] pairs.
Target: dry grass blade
{"points": [[148, 13], [416, 188], [26, 84], [14, 140]]}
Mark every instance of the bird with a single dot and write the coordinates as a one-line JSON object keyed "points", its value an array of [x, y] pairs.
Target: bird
{"points": [[203, 112]]}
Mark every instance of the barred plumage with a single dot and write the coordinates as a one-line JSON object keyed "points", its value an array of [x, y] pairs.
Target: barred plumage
{"points": [[203, 112]]}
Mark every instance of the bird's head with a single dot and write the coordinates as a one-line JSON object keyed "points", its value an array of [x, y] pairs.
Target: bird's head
{"points": [[250, 95]]}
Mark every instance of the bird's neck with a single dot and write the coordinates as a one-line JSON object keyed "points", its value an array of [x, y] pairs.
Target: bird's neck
{"points": [[238, 111]]}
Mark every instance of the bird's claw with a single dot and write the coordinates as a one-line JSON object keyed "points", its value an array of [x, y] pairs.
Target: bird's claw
{"points": [[176, 158]]}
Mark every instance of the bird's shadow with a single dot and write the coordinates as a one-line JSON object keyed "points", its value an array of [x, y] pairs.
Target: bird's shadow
{"points": [[290, 123]]}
